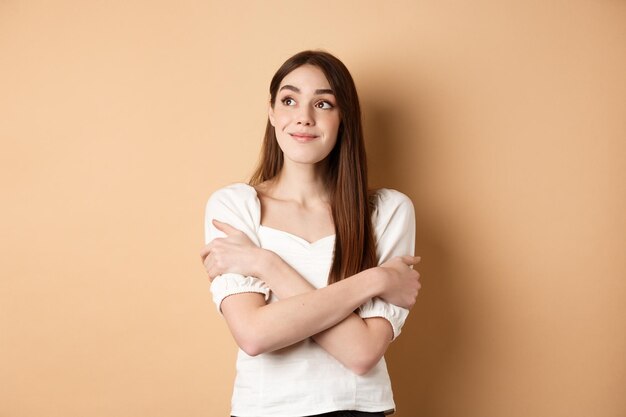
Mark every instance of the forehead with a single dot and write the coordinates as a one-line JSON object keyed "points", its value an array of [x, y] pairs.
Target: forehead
{"points": [[306, 77]]}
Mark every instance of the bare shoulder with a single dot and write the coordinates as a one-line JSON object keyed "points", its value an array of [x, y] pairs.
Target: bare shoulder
{"points": [[263, 190]]}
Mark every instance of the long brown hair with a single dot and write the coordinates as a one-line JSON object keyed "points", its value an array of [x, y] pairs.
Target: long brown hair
{"points": [[346, 167]]}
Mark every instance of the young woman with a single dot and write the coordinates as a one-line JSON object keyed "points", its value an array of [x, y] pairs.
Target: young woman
{"points": [[313, 274]]}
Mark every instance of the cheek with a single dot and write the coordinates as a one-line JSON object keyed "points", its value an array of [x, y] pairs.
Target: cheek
{"points": [[281, 118], [333, 125]]}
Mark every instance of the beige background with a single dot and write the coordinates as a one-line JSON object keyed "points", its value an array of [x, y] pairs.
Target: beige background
{"points": [[502, 120]]}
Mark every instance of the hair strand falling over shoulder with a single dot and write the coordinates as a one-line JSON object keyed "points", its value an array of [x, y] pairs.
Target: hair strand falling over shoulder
{"points": [[346, 170]]}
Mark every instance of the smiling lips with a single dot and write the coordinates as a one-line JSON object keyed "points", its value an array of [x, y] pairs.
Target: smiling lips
{"points": [[303, 137]]}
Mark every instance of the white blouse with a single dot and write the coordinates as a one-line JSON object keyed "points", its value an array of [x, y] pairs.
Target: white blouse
{"points": [[303, 379]]}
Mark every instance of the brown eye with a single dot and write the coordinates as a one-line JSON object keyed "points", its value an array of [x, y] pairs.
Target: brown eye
{"points": [[328, 105], [286, 100]]}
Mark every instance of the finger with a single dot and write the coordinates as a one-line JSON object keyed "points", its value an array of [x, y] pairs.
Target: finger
{"points": [[209, 248], [205, 251], [209, 262], [211, 275], [213, 272], [410, 260], [224, 227]]}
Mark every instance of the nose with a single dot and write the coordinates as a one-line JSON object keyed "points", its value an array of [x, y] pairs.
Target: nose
{"points": [[305, 117]]}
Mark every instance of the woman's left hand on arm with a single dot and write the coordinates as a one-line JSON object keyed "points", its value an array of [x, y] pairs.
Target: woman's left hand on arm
{"points": [[234, 253]]}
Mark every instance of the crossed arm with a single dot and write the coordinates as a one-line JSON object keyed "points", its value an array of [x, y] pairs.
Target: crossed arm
{"points": [[325, 314]]}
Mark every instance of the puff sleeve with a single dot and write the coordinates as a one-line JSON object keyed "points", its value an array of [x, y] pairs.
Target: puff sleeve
{"points": [[394, 227], [237, 205]]}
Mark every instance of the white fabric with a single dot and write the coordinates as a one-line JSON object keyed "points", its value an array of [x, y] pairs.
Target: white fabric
{"points": [[303, 379]]}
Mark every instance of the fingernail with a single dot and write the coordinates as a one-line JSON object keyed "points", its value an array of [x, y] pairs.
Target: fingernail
{"points": [[419, 258]]}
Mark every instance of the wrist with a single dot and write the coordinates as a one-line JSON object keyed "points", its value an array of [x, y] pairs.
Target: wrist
{"points": [[264, 261], [377, 282]]}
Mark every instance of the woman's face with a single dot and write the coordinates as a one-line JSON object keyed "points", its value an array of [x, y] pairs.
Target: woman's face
{"points": [[305, 116]]}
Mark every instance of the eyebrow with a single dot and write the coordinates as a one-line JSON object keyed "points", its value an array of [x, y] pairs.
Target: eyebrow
{"points": [[297, 90]]}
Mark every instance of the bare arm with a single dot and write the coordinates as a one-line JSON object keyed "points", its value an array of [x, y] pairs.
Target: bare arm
{"points": [[357, 343], [258, 327]]}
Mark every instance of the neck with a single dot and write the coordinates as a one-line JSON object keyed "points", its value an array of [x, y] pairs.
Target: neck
{"points": [[303, 183]]}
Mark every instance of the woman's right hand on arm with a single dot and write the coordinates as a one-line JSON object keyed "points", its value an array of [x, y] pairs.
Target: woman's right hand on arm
{"points": [[400, 281]]}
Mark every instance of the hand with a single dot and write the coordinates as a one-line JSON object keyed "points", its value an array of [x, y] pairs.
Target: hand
{"points": [[234, 253], [401, 281]]}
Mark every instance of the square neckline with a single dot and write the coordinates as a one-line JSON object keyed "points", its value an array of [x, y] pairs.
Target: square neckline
{"points": [[296, 237], [273, 229]]}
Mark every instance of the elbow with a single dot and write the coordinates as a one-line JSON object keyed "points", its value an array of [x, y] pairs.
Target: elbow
{"points": [[251, 350], [366, 357], [361, 370], [248, 346], [252, 345], [252, 337], [363, 365]]}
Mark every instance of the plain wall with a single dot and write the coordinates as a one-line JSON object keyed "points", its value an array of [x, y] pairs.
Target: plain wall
{"points": [[504, 121]]}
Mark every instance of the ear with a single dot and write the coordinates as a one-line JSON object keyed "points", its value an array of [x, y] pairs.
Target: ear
{"points": [[270, 113]]}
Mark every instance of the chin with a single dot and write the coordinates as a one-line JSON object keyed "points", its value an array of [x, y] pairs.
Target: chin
{"points": [[305, 156], [304, 159]]}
